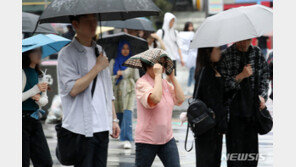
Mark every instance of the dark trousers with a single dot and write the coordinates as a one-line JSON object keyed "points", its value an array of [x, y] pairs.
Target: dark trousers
{"points": [[242, 142], [168, 154], [34, 144], [96, 151], [209, 149]]}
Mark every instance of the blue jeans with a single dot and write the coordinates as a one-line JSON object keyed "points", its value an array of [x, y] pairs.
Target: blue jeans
{"points": [[168, 154], [191, 79], [126, 126]]}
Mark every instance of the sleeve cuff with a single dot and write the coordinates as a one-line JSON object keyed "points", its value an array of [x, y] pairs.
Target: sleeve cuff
{"points": [[69, 87]]}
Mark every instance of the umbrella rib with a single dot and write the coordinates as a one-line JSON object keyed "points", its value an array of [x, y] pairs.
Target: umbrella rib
{"points": [[52, 48], [250, 22]]}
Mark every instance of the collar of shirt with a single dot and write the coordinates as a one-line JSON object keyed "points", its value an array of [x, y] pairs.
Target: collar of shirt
{"points": [[80, 47]]}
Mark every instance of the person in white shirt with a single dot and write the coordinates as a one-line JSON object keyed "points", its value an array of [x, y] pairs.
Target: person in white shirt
{"points": [[189, 55], [170, 38], [86, 111]]}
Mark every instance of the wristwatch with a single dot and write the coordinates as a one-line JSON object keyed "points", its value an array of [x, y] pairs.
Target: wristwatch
{"points": [[116, 120]]}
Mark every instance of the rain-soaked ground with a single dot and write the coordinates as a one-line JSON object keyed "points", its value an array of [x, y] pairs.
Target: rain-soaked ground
{"points": [[119, 157]]}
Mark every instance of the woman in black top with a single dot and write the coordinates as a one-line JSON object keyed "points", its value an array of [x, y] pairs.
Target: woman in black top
{"points": [[211, 91]]}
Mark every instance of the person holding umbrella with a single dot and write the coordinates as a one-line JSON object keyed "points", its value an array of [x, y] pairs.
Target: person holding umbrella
{"points": [[156, 98], [246, 76], [34, 144], [88, 108], [124, 80], [170, 37], [34, 82], [239, 65]]}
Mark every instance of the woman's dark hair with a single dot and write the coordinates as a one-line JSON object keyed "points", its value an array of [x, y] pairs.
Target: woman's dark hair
{"points": [[146, 35], [145, 66], [186, 26], [203, 58], [26, 61]]}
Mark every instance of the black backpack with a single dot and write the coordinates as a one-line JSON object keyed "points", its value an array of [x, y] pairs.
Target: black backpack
{"points": [[200, 117]]}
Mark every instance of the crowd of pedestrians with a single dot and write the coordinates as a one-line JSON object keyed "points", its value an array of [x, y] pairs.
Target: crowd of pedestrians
{"points": [[98, 96]]}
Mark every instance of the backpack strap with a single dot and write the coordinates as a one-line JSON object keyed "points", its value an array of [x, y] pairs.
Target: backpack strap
{"points": [[97, 53], [163, 32]]}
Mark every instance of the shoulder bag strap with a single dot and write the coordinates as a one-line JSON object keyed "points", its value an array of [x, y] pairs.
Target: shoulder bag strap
{"points": [[195, 95], [97, 53], [186, 138], [198, 84]]}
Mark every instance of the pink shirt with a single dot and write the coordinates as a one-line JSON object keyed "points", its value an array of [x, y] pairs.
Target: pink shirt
{"points": [[154, 124]]}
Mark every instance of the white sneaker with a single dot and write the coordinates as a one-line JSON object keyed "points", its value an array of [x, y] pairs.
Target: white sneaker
{"points": [[127, 145]]}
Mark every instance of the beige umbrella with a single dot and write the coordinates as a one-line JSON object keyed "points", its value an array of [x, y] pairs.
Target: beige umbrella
{"points": [[151, 57]]}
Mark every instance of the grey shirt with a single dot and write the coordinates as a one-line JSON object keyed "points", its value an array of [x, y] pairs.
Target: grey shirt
{"points": [[77, 111]]}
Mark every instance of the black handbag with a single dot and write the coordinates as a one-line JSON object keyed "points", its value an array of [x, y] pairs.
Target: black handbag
{"points": [[200, 117], [71, 146], [264, 120]]}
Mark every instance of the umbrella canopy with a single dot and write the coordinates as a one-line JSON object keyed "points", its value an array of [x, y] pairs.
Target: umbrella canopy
{"points": [[133, 24], [234, 25], [151, 57], [110, 43], [60, 10], [29, 22], [50, 43]]}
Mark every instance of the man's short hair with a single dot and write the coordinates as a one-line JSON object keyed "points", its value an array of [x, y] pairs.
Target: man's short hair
{"points": [[75, 17]]}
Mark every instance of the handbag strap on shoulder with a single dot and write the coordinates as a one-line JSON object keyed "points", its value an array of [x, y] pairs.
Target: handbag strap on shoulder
{"points": [[198, 84]]}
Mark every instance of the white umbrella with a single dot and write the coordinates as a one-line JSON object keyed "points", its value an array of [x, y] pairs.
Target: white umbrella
{"points": [[234, 25]]}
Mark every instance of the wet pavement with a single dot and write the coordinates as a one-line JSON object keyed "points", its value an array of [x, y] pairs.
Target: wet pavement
{"points": [[119, 157]]}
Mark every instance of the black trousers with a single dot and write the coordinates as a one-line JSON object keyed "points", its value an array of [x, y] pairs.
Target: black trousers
{"points": [[208, 149], [96, 151], [242, 142], [34, 144]]}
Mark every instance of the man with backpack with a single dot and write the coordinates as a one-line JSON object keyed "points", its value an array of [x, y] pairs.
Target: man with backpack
{"points": [[170, 37], [87, 98]]}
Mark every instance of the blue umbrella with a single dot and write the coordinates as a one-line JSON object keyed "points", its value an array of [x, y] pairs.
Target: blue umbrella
{"points": [[50, 43]]}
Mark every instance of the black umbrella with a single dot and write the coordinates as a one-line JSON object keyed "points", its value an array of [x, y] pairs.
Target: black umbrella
{"points": [[60, 10], [29, 22], [133, 24], [110, 44]]}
